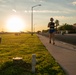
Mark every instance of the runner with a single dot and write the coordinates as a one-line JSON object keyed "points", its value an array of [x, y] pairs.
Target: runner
{"points": [[51, 26]]}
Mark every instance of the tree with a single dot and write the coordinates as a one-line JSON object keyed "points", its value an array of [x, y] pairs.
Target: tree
{"points": [[38, 31], [57, 24], [44, 31], [67, 27]]}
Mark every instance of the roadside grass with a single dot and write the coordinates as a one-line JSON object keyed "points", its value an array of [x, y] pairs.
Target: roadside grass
{"points": [[24, 45]]}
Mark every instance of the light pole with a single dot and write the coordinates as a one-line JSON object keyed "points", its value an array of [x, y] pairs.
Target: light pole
{"points": [[32, 17]]}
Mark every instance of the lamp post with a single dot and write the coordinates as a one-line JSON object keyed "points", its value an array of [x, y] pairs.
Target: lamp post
{"points": [[32, 17]]}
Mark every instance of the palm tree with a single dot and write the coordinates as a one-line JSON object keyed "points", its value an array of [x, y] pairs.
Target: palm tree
{"points": [[57, 24]]}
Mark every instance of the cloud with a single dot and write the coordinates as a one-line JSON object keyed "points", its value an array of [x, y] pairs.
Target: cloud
{"points": [[47, 11], [14, 10], [38, 0], [62, 17], [74, 3], [66, 19]]}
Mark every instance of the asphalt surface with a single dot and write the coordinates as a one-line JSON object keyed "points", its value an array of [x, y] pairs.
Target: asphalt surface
{"points": [[68, 38]]}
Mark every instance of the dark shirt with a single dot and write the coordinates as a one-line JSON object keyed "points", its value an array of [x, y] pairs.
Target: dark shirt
{"points": [[52, 25]]}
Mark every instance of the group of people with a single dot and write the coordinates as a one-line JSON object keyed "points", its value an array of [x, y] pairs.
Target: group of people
{"points": [[52, 30]]}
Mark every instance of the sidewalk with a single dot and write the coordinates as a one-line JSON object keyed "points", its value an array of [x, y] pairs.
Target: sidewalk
{"points": [[64, 54]]}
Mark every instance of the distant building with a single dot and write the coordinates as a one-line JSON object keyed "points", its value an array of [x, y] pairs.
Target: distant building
{"points": [[74, 24]]}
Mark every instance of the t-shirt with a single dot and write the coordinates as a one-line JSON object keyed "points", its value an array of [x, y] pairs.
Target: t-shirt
{"points": [[51, 25]]}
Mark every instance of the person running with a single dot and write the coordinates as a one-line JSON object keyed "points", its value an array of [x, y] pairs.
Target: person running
{"points": [[51, 26]]}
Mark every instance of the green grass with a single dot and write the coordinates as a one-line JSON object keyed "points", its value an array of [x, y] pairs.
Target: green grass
{"points": [[24, 46]]}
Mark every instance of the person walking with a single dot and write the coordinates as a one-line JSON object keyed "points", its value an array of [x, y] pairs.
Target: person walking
{"points": [[51, 26]]}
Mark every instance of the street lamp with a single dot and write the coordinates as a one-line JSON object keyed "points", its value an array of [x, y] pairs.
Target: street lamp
{"points": [[32, 17]]}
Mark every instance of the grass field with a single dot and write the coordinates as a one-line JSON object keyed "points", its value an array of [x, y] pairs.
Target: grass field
{"points": [[24, 46]]}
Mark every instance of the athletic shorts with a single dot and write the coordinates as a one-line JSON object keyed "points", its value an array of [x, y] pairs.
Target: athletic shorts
{"points": [[51, 30]]}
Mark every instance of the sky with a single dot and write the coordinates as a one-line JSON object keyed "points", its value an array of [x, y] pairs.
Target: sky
{"points": [[62, 10]]}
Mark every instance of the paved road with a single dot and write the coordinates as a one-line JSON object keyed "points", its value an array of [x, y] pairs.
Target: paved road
{"points": [[64, 54], [68, 38]]}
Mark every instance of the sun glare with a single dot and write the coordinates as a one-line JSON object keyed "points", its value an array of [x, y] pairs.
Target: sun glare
{"points": [[15, 24]]}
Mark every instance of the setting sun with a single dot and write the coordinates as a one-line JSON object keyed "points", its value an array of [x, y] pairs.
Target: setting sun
{"points": [[15, 24]]}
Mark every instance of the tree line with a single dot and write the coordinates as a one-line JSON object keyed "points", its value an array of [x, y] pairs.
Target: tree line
{"points": [[64, 27]]}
